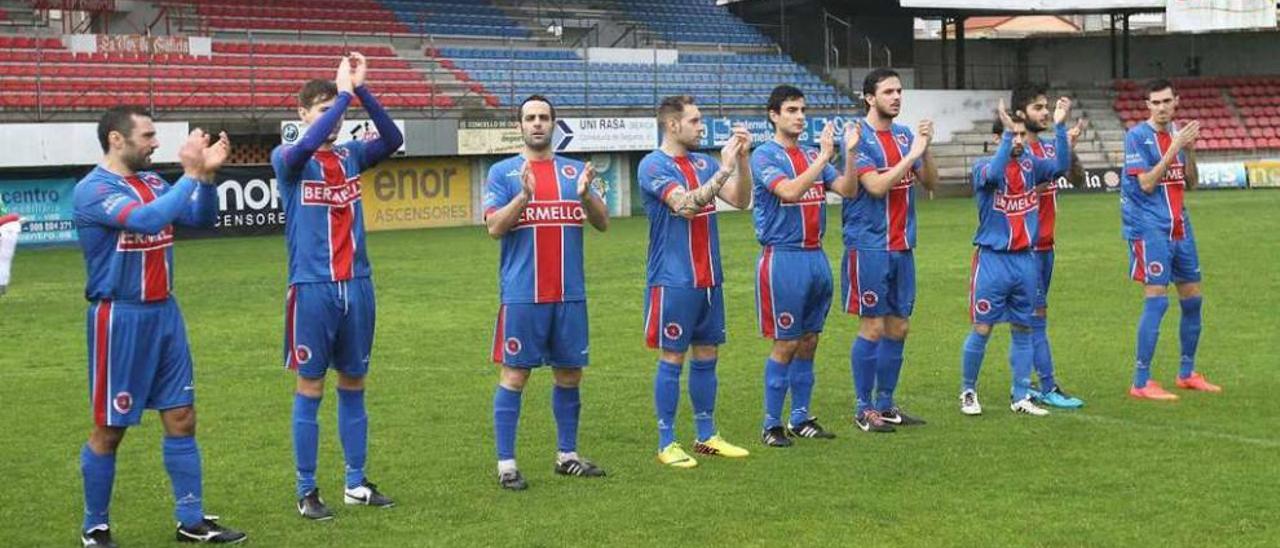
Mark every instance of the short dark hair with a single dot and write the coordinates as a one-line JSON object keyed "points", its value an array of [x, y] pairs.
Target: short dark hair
{"points": [[782, 94], [119, 119], [874, 78], [1159, 84], [317, 90], [1025, 93], [673, 105], [533, 98]]}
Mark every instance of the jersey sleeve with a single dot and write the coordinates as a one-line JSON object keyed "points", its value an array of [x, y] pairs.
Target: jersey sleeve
{"points": [[99, 202], [1137, 158], [284, 174], [829, 175], [356, 155], [497, 190], [655, 181], [864, 162], [765, 171]]}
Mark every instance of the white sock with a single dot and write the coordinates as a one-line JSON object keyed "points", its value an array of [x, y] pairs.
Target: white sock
{"points": [[571, 455], [505, 466]]}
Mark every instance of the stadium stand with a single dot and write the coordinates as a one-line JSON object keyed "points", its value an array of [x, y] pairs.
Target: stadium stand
{"points": [[1235, 113]]}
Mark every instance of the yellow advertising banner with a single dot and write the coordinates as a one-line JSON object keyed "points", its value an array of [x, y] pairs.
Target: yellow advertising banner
{"points": [[1263, 174], [417, 193], [489, 137]]}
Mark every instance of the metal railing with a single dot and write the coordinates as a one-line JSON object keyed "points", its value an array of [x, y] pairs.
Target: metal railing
{"points": [[979, 75]]}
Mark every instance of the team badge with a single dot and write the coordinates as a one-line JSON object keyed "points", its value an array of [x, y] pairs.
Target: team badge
{"points": [[569, 171], [123, 402], [673, 331], [811, 154], [785, 320], [302, 353], [1156, 268], [902, 139], [983, 306], [513, 346], [1025, 164], [870, 298], [700, 163]]}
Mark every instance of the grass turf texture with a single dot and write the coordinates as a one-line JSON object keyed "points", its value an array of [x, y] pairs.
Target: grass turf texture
{"points": [[1119, 472]]}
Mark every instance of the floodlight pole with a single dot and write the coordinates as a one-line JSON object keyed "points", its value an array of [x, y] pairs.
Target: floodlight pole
{"points": [[960, 52]]}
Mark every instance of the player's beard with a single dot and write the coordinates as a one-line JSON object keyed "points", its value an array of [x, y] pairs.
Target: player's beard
{"points": [[886, 113], [537, 144], [1034, 127], [137, 160], [1016, 151]]}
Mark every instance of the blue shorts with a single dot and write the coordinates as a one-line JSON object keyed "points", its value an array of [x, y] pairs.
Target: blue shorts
{"points": [[793, 292], [138, 359], [878, 282], [1157, 260], [1002, 287], [329, 324], [530, 335], [676, 317], [1045, 261]]}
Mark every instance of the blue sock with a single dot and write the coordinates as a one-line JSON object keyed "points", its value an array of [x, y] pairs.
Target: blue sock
{"points": [[800, 377], [666, 399], [1189, 330], [353, 430], [775, 390], [702, 392], [1153, 309], [306, 441], [1020, 356], [888, 368], [99, 473], [1042, 357], [862, 361], [182, 461], [506, 416], [975, 348], [567, 404]]}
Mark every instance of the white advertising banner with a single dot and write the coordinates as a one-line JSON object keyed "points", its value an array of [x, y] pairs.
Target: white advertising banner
{"points": [[605, 134], [293, 130], [75, 144]]}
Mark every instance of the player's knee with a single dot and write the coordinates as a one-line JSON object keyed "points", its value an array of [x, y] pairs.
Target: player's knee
{"points": [[705, 353], [180, 421], [673, 357], [983, 329], [897, 329], [871, 329], [1188, 291], [1155, 290], [568, 377], [346, 382], [808, 346], [311, 388], [513, 378], [104, 440], [784, 351]]}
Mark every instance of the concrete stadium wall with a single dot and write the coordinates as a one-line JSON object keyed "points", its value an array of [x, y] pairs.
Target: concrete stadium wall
{"points": [[1085, 59]]}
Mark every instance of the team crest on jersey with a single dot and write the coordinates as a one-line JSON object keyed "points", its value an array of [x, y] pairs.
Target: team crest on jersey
{"points": [[1049, 150], [785, 320], [569, 171], [699, 162], [901, 138], [302, 353], [123, 402], [513, 346], [1025, 164], [673, 331], [983, 306], [811, 154], [870, 298], [1156, 268]]}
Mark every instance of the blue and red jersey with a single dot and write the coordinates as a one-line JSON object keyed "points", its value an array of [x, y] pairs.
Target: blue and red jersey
{"points": [[889, 222], [324, 214], [788, 225], [682, 252], [1048, 196], [1005, 193], [127, 242], [1163, 210], [541, 257]]}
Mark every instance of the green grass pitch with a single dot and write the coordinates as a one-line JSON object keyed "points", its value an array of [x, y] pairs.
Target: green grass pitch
{"points": [[1202, 471]]}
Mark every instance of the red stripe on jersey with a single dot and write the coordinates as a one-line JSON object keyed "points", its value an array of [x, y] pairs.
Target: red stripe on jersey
{"points": [[652, 323], [1018, 237], [1138, 270], [124, 213], [811, 214], [341, 219], [898, 199], [853, 300], [499, 334], [290, 327], [764, 279], [973, 285], [1048, 206], [155, 261], [548, 241], [101, 361], [1173, 190], [699, 232]]}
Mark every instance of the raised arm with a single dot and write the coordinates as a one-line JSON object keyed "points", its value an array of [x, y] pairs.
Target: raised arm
{"points": [[389, 136], [928, 171], [847, 183], [597, 211], [502, 209], [877, 184], [296, 156], [202, 212], [1149, 179], [737, 186], [792, 189]]}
